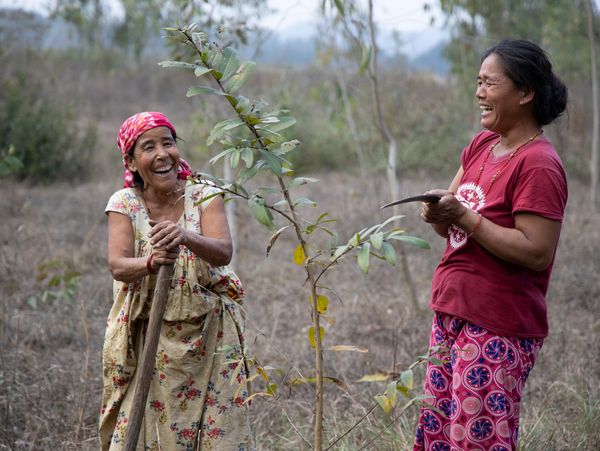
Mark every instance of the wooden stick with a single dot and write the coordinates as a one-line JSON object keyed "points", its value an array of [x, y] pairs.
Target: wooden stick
{"points": [[146, 365]]}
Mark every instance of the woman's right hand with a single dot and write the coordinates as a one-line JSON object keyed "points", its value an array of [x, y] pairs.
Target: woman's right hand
{"points": [[447, 211], [163, 256]]}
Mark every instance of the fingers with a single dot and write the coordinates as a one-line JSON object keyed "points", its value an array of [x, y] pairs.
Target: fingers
{"points": [[166, 234], [447, 211], [164, 256]]}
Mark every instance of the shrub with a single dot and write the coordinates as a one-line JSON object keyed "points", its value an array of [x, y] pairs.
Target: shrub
{"points": [[44, 135]]}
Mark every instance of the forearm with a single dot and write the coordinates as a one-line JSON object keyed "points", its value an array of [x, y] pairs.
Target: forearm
{"points": [[216, 251], [129, 269], [508, 244], [440, 229]]}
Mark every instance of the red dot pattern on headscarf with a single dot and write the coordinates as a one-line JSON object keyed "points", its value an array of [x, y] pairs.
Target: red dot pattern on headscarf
{"points": [[133, 128]]}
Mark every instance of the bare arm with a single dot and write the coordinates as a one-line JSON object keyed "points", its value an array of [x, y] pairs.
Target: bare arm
{"points": [[213, 246], [531, 243]]}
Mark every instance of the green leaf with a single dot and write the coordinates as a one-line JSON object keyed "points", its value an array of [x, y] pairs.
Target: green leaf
{"points": [[229, 63], [388, 220], [247, 174], [412, 240], [219, 130], [260, 212], [407, 379], [377, 240], [234, 158], [240, 77], [305, 201], [363, 257], [242, 105], [248, 156], [196, 90], [283, 123], [181, 64], [389, 253], [220, 155], [391, 393], [339, 251], [271, 160], [299, 181], [354, 240], [286, 147], [200, 71]]}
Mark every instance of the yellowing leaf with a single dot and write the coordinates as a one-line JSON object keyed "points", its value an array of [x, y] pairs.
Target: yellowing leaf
{"points": [[272, 389], [347, 348], [376, 377], [322, 303], [311, 336], [299, 256], [263, 373], [384, 403], [254, 395], [407, 379]]}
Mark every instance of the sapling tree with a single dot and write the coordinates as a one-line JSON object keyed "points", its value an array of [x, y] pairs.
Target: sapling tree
{"points": [[255, 140]]}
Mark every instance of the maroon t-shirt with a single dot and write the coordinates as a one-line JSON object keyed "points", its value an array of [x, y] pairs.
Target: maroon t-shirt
{"points": [[470, 282]]}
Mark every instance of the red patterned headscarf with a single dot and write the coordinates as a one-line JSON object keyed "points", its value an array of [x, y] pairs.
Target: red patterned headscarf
{"points": [[133, 128]]}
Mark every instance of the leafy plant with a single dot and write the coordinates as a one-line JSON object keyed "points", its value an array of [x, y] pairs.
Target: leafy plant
{"points": [[256, 140], [59, 283], [41, 135]]}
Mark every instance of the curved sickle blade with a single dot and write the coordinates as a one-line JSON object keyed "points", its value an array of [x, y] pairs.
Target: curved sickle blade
{"points": [[432, 198]]}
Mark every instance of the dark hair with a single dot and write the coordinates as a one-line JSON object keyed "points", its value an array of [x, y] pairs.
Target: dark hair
{"points": [[527, 65], [138, 182]]}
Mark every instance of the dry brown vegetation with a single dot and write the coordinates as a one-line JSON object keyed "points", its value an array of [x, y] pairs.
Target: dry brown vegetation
{"points": [[50, 373], [51, 333]]}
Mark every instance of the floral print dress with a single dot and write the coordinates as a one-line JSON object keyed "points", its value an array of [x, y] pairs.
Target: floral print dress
{"points": [[197, 394]]}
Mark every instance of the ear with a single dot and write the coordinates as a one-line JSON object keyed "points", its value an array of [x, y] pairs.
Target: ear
{"points": [[527, 96], [130, 163]]}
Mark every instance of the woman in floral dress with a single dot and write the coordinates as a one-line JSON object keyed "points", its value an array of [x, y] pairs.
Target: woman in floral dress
{"points": [[197, 394]]}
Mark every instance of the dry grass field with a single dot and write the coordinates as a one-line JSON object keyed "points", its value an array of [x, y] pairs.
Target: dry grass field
{"points": [[52, 322]]}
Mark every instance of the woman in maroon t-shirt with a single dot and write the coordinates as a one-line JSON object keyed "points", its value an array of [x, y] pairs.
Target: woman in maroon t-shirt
{"points": [[502, 218]]}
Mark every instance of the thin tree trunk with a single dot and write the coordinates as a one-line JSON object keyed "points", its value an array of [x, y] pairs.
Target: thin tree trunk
{"points": [[352, 125], [230, 212], [595, 110], [392, 178]]}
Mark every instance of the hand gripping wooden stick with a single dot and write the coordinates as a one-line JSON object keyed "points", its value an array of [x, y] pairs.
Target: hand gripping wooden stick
{"points": [[146, 366]]}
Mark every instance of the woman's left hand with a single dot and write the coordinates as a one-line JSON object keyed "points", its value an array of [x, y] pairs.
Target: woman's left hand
{"points": [[449, 210], [167, 235]]}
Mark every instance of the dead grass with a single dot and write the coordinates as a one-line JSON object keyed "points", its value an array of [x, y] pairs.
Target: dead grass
{"points": [[50, 373]]}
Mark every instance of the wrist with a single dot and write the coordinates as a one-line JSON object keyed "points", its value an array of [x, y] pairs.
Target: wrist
{"points": [[149, 265], [477, 224]]}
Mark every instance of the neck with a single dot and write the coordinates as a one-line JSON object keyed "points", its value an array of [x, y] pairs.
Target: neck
{"points": [[163, 197], [514, 138]]}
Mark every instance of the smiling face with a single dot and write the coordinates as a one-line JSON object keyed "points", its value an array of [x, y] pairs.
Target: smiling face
{"points": [[156, 158], [503, 104]]}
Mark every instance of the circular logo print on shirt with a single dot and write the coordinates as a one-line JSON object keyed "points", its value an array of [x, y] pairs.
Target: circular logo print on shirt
{"points": [[473, 197]]}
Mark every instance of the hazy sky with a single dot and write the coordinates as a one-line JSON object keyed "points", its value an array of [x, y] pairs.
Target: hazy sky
{"points": [[291, 15]]}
